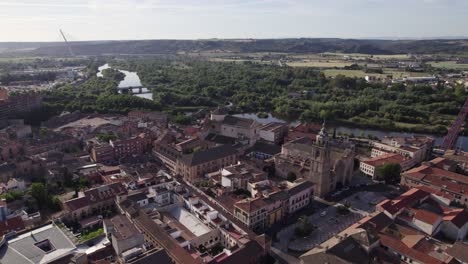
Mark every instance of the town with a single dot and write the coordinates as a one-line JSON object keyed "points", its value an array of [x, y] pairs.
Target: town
{"points": [[233, 132], [140, 188]]}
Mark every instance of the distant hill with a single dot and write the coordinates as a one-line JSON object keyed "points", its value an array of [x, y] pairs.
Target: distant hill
{"points": [[306, 45]]}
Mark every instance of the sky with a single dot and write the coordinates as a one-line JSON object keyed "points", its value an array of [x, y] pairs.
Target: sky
{"points": [[40, 20]]}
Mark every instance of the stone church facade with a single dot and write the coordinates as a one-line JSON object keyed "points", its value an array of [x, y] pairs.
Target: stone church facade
{"points": [[326, 162]]}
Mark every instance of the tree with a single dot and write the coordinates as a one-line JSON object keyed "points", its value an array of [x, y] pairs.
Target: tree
{"points": [[304, 227], [43, 199], [343, 210], [389, 172], [12, 195], [182, 119], [39, 192], [291, 177]]}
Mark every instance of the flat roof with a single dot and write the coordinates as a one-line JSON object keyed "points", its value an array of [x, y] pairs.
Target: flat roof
{"points": [[190, 221], [25, 248]]}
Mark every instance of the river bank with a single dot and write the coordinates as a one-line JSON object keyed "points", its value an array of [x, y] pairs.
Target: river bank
{"points": [[356, 131]]}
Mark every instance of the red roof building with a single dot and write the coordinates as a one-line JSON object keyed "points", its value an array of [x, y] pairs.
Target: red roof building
{"points": [[444, 182]]}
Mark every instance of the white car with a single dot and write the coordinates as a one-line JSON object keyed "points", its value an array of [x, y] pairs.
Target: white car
{"points": [[324, 213]]}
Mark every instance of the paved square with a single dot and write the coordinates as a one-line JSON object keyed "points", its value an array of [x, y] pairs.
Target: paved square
{"points": [[327, 226]]}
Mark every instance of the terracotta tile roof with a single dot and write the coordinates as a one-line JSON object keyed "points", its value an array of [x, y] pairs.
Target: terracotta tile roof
{"points": [[250, 206], [77, 203], [400, 247], [459, 250], [95, 195], [384, 159], [459, 217], [436, 192], [376, 222], [403, 201], [412, 240], [424, 171], [426, 216], [228, 201]]}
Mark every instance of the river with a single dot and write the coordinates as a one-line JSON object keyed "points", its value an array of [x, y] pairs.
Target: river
{"points": [[462, 140], [131, 80]]}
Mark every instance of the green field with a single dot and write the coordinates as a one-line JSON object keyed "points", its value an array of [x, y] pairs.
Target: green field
{"points": [[400, 74], [18, 59], [449, 65], [362, 74], [351, 73], [364, 56], [319, 64], [31, 59]]}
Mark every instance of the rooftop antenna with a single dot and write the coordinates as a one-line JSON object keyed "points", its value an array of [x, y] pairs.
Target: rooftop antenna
{"points": [[66, 43]]}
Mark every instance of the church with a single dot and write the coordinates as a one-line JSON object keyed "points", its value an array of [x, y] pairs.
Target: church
{"points": [[326, 162]]}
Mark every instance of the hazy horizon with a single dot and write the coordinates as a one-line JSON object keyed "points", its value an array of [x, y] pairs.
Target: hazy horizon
{"points": [[91, 20]]}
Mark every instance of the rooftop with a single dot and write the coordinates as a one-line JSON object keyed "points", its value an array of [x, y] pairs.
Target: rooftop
{"points": [[191, 222], [384, 159], [238, 121], [251, 205], [407, 199], [459, 250], [272, 126], [299, 187], [204, 156], [220, 139], [425, 171], [123, 228], [95, 195], [42, 245], [266, 148]]}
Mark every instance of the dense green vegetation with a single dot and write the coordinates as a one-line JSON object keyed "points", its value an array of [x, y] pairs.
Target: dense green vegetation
{"points": [[389, 172], [44, 200], [97, 94], [86, 236], [265, 88], [12, 195], [42, 77]]}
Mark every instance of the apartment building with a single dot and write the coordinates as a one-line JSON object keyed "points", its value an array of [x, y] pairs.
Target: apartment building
{"points": [[93, 201], [243, 129], [273, 132], [122, 233], [252, 212], [134, 146], [418, 148], [194, 166], [370, 166], [434, 175]]}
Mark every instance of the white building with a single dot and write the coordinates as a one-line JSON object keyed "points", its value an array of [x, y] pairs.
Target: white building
{"points": [[243, 129], [273, 132], [123, 234]]}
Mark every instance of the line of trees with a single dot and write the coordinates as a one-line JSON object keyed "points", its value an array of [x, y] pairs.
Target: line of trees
{"points": [[251, 87]]}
